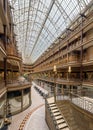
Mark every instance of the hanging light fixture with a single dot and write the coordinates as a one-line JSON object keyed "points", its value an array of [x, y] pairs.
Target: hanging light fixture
{"points": [[69, 69], [55, 74]]}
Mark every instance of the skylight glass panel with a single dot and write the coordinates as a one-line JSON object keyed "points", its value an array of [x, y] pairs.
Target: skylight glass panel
{"points": [[40, 22], [53, 11]]}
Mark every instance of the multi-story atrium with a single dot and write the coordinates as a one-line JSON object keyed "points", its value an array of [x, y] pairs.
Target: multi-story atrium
{"points": [[46, 64]]}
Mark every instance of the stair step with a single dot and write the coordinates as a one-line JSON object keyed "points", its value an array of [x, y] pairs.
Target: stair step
{"points": [[52, 108], [67, 128], [52, 105], [56, 114], [58, 117], [63, 125], [60, 121], [55, 110]]}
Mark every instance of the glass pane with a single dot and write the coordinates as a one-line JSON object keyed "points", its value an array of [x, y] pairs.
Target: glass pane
{"points": [[40, 22]]}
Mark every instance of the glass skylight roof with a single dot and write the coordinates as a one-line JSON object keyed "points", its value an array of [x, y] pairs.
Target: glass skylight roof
{"points": [[40, 22]]}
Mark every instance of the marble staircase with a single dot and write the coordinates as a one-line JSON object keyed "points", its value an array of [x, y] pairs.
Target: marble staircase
{"points": [[58, 119]]}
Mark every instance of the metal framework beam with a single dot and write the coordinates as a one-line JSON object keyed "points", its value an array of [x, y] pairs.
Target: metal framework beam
{"points": [[52, 3]]}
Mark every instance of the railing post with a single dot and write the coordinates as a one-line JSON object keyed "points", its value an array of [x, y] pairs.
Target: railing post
{"points": [[62, 91]]}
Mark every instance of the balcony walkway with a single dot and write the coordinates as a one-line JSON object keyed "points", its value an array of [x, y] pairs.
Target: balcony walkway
{"points": [[32, 118]]}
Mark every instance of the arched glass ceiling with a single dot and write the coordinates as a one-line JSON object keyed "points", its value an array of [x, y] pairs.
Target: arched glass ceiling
{"points": [[40, 22]]}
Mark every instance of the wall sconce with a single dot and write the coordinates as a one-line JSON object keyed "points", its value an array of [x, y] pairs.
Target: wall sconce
{"points": [[69, 69]]}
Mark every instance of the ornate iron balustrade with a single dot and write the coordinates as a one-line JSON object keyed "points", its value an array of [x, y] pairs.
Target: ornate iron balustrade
{"points": [[85, 103]]}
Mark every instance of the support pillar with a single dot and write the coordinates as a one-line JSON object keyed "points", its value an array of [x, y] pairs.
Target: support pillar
{"points": [[5, 71], [55, 92], [30, 96], [55, 74], [62, 90], [81, 55], [5, 36]]}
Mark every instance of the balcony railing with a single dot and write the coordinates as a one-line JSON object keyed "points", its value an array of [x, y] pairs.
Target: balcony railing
{"points": [[11, 51], [85, 103], [63, 80], [78, 98], [88, 81]]}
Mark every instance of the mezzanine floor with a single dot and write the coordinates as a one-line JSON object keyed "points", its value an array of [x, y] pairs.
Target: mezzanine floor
{"points": [[32, 118]]}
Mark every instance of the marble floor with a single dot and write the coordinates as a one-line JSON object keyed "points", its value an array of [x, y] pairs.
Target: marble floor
{"points": [[33, 117], [37, 120]]}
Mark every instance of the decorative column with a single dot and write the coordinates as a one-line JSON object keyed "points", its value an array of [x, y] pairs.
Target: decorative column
{"points": [[5, 60], [62, 90], [81, 53]]}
